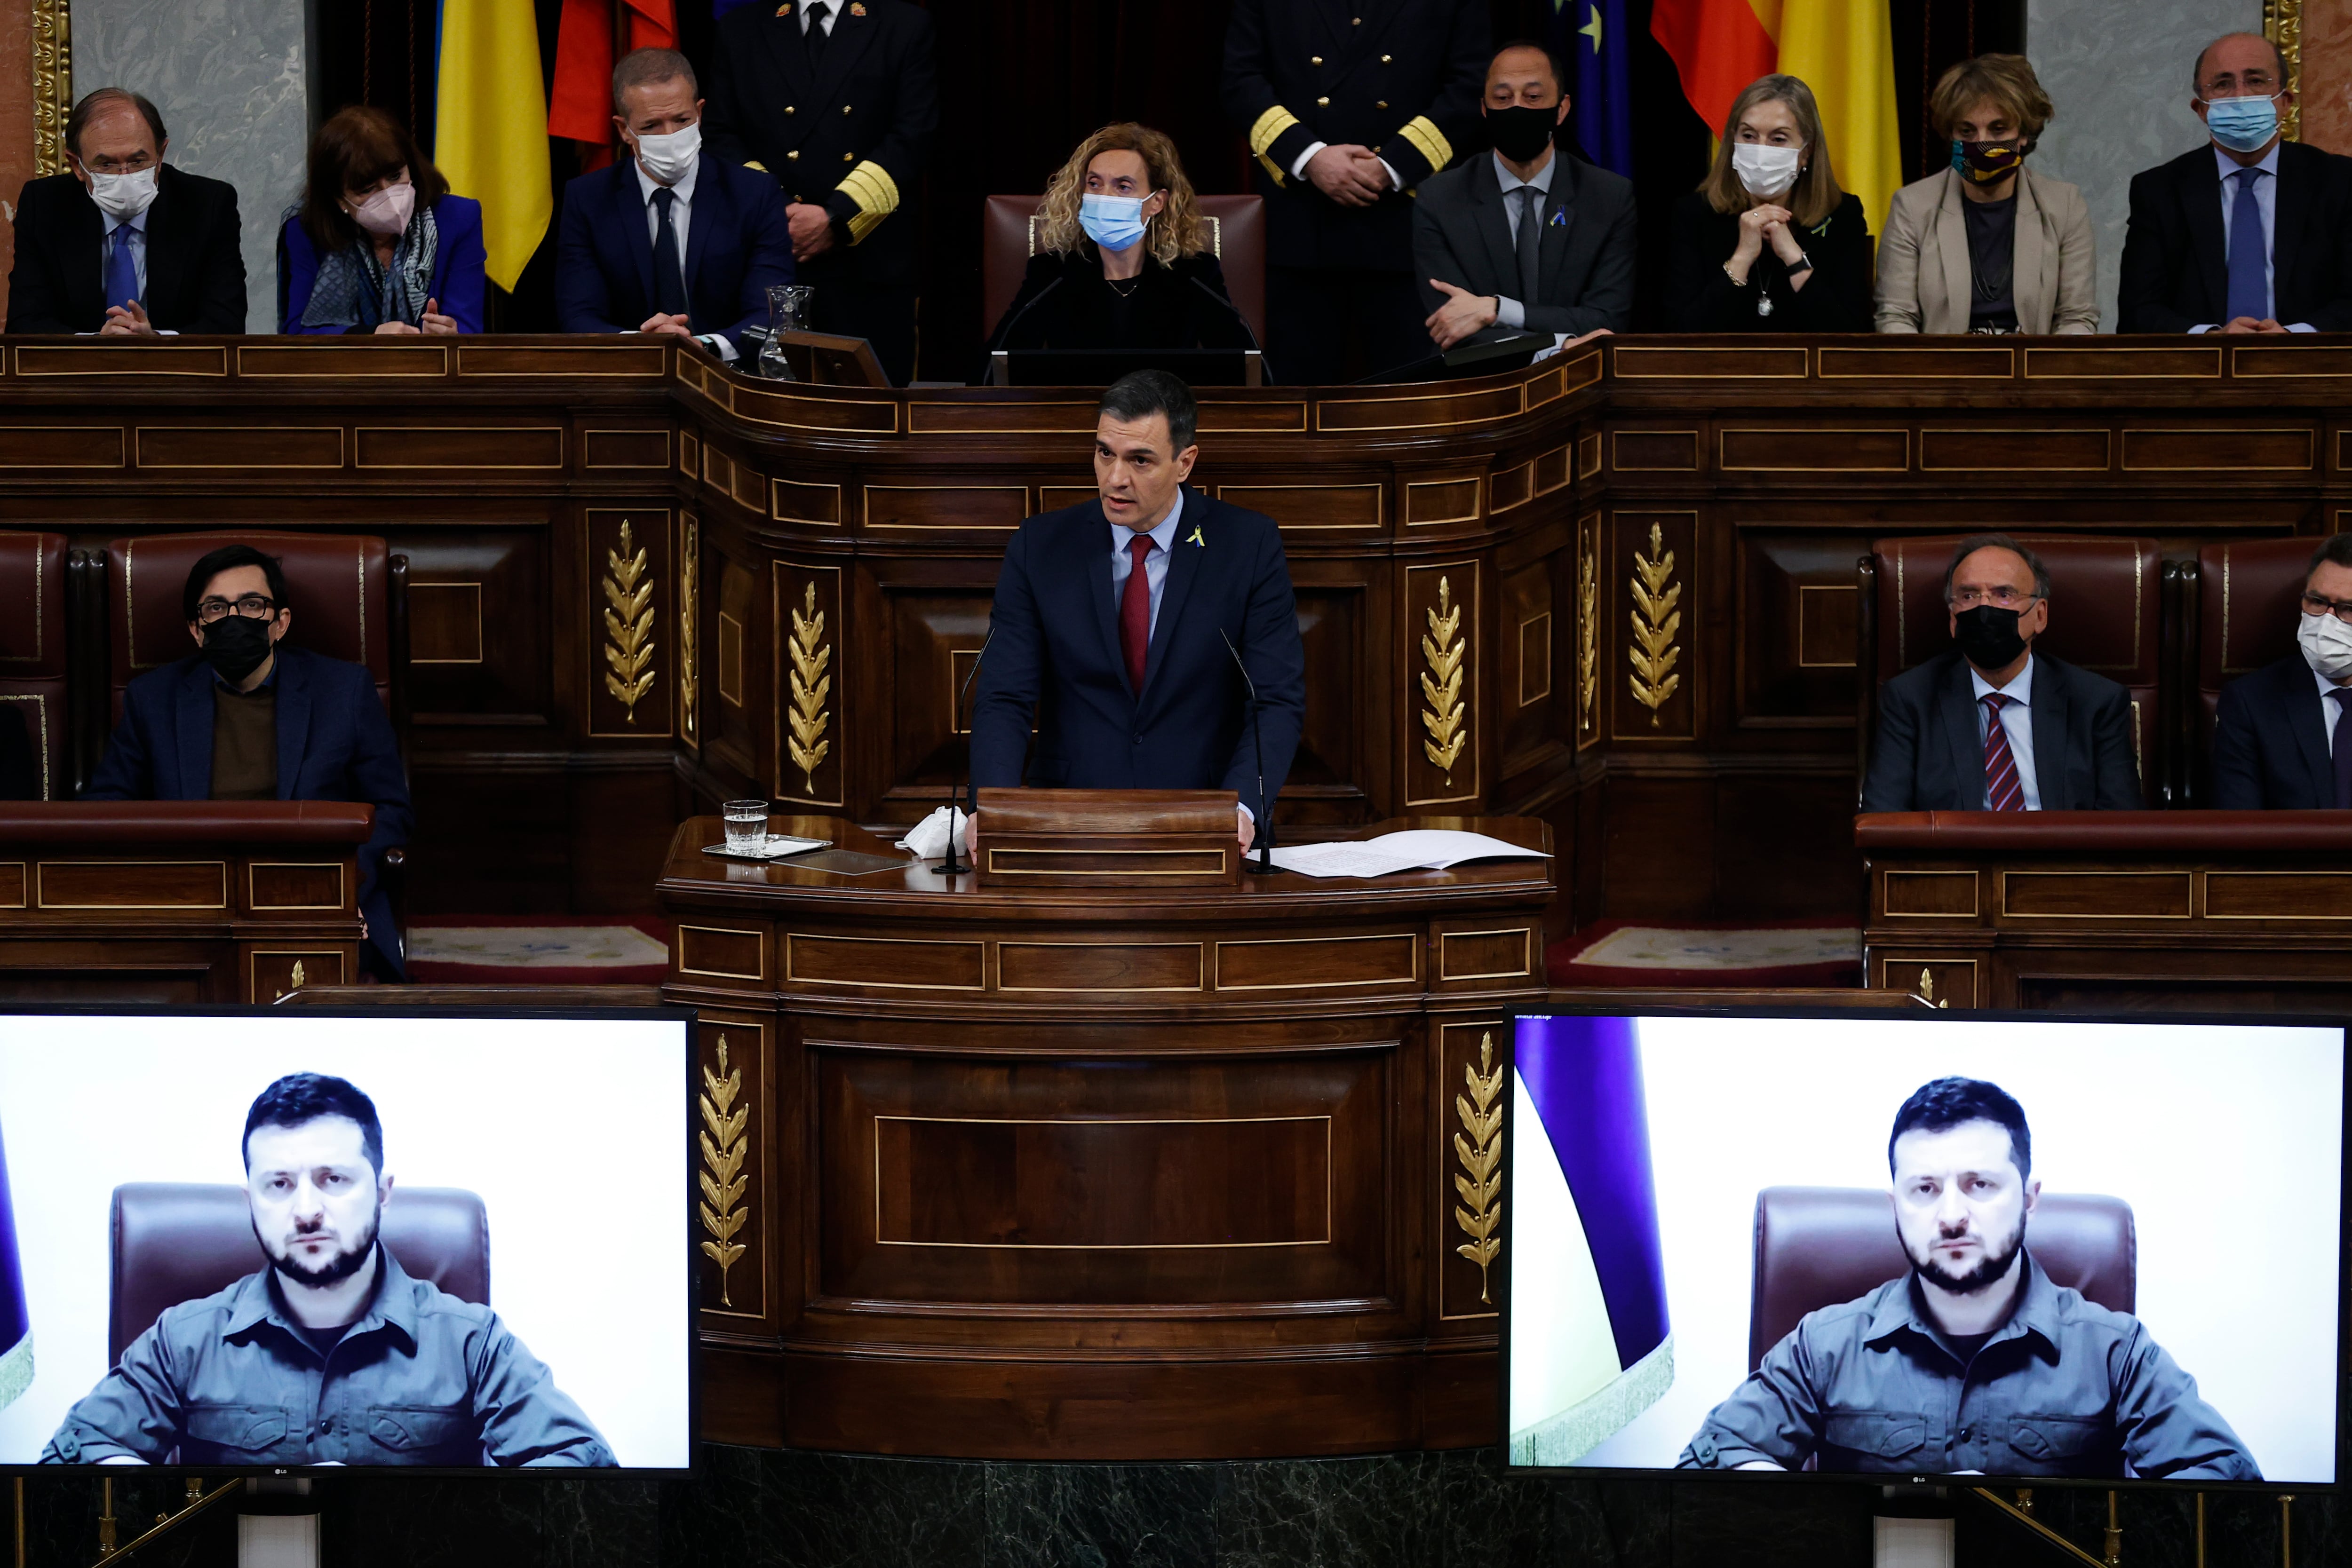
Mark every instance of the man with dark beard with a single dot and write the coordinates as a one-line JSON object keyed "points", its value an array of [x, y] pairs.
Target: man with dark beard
{"points": [[331, 1354], [1975, 1362]]}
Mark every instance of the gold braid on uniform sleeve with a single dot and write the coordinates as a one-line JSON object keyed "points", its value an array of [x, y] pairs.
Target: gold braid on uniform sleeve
{"points": [[755, 163], [876, 194], [1428, 140], [1263, 136]]}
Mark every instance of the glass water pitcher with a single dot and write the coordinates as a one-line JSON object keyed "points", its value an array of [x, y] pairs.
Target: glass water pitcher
{"points": [[787, 310]]}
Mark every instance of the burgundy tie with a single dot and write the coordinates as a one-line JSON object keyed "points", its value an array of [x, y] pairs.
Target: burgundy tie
{"points": [[1134, 613], [2003, 791]]}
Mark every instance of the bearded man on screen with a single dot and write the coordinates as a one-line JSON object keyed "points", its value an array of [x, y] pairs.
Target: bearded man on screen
{"points": [[330, 1354], [1974, 1362]]}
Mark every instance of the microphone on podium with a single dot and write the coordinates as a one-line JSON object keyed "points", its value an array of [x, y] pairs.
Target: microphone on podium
{"points": [[1258, 742], [949, 866]]}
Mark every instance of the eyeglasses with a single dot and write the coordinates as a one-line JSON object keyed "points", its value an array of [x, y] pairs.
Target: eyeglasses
{"points": [[2003, 597], [2253, 84], [131, 165], [253, 607], [2319, 604]]}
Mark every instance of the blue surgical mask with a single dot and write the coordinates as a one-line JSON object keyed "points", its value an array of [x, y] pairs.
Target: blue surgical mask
{"points": [[2242, 124], [1114, 223]]}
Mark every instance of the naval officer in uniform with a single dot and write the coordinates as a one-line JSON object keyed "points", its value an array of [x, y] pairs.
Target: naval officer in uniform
{"points": [[1347, 107], [837, 100]]}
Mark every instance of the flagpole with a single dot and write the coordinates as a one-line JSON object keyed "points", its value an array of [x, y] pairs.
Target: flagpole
{"points": [[20, 1521]]}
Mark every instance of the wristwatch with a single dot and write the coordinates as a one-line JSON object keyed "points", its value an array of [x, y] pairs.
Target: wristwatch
{"points": [[1804, 264]]}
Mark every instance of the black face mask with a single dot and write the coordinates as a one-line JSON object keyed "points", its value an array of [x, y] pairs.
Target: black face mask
{"points": [[1988, 637], [1521, 133], [235, 646]]}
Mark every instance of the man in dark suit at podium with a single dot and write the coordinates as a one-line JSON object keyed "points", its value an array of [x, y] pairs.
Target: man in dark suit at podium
{"points": [[1119, 624], [2280, 744]]}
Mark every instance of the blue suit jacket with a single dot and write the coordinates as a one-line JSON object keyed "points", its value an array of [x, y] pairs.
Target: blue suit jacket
{"points": [[738, 244], [334, 743], [1055, 650], [458, 267], [2270, 743], [1928, 758]]}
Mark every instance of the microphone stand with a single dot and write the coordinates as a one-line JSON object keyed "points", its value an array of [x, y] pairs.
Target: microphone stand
{"points": [[949, 866], [1257, 743]]}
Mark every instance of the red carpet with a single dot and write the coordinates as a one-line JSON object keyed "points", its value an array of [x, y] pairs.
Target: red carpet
{"points": [[539, 949], [1729, 954]]}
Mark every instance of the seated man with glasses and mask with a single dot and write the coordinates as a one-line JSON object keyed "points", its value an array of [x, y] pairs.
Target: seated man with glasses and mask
{"points": [[2249, 233], [250, 716], [2277, 744], [1990, 724]]}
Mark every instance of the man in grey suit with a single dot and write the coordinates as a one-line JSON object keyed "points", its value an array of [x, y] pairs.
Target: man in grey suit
{"points": [[1990, 724], [1524, 238]]}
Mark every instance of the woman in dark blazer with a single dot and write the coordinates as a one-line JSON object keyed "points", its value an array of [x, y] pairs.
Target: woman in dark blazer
{"points": [[1120, 260], [378, 244], [1768, 243]]}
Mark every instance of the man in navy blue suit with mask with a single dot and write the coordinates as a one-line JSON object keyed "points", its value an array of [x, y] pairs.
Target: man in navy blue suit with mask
{"points": [[2280, 743], [1113, 619], [670, 242]]}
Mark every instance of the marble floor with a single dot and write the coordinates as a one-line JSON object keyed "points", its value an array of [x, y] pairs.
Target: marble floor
{"points": [[760, 1509]]}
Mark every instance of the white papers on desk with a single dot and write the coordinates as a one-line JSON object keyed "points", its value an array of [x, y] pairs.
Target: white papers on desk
{"points": [[775, 846], [1415, 848]]}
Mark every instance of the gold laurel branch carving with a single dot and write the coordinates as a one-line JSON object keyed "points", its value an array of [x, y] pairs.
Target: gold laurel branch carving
{"points": [[1588, 630], [724, 1146], [1480, 1213], [1656, 624], [2282, 25], [690, 615], [52, 59], [1927, 991], [628, 623], [1446, 717], [810, 686]]}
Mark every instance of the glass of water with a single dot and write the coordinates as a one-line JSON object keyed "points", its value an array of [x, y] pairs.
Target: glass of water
{"points": [[747, 826]]}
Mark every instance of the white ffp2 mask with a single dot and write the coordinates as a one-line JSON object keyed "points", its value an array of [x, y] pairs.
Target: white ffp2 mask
{"points": [[1766, 170], [667, 157], [2326, 645], [124, 196]]}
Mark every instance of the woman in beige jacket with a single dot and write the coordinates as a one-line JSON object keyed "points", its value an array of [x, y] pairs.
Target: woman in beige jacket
{"points": [[1987, 246]]}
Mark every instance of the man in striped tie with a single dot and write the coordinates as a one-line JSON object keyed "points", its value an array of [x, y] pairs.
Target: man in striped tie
{"points": [[1989, 725]]}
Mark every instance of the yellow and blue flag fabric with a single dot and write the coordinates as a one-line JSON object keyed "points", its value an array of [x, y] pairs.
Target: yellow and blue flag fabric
{"points": [[1591, 1346], [489, 132]]}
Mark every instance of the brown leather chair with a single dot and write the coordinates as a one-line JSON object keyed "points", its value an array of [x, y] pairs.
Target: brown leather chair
{"points": [[1236, 236], [180, 1241], [2247, 595], [2106, 615], [350, 600], [33, 650], [1819, 1246]]}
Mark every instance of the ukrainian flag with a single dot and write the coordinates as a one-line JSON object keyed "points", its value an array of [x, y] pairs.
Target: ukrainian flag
{"points": [[15, 1323], [490, 126], [1590, 1344]]}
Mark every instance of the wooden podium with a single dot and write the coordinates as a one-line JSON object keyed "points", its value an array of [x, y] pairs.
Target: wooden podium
{"points": [[178, 901], [1100, 1172]]}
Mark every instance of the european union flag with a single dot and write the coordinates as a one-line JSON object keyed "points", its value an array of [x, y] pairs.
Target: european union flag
{"points": [[1592, 37], [16, 1324]]}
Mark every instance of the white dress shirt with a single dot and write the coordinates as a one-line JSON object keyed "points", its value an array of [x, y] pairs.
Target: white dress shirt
{"points": [[681, 214], [2330, 710], [2016, 722], [2266, 204]]}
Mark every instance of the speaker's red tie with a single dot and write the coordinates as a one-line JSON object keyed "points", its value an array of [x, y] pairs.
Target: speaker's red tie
{"points": [[2003, 789], [1134, 613]]}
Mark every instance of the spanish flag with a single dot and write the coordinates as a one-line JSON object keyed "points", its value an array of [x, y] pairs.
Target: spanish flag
{"points": [[581, 108], [490, 126], [1842, 49]]}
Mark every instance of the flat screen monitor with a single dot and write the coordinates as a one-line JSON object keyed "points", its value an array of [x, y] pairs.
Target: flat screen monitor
{"points": [[275, 1239], [1924, 1244]]}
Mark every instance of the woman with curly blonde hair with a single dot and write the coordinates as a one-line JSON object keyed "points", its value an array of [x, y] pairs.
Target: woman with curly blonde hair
{"points": [[1121, 258]]}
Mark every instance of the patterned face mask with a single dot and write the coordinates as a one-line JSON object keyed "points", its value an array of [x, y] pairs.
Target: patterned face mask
{"points": [[1988, 161]]}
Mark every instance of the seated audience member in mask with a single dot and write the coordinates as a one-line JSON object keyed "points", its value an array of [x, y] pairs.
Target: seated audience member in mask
{"points": [[1524, 238], [2249, 234], [123, 244], [1988, 245], [250, 716], [379, 244], [1123, 259], [1990, 724], [2279, 744], [1768, 243]]}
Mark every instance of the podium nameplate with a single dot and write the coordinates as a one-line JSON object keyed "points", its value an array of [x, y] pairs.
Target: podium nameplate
{"points": [[1109, 837]]}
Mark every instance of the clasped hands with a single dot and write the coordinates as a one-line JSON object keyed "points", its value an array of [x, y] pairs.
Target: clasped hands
{"points": [[2248, 324], [432, 324], [1350, 174], [1763, 226]]}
